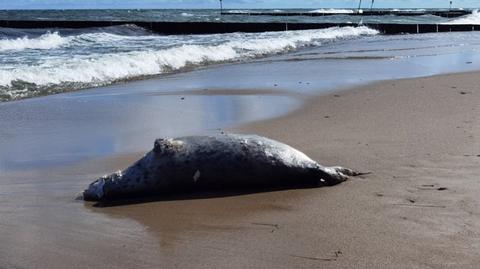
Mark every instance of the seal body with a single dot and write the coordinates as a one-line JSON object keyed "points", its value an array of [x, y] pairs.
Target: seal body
{"points": [[227, 160]]}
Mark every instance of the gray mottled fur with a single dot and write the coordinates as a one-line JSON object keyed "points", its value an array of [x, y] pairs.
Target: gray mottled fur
{"points": [[177, 164]]}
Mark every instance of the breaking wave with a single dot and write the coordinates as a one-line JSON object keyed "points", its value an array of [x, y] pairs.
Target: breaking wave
{"points": [[332, 10], [113, 57], [43, 42], [473, 18], [239, 11]]}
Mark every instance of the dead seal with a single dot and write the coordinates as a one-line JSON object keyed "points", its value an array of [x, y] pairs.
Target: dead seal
{"points": [[227, 160]]}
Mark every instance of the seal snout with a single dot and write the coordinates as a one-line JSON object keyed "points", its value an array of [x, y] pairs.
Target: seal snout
{"points": [[94, 191]]}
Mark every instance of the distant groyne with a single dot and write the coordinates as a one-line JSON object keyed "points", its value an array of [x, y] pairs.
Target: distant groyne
{"points": [[440, 13], [179, 28]]}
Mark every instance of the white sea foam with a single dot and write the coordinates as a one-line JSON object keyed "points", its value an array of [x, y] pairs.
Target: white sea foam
{"points": [[332, 10], [104, 68], [46, 41], [239, 11], [104, 38], [55, 40], [473, 18], [409, 10]]}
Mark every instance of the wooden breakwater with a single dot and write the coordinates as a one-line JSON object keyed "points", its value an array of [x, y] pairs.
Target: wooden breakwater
{"points": [[179, 28], [440, 13]]}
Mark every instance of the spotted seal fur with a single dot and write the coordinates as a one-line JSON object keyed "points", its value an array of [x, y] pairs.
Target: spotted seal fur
{"points": [[227, 160]]}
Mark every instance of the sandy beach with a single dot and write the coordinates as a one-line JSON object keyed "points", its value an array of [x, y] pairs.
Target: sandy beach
{"points": [[418, 209], [393, 92]]}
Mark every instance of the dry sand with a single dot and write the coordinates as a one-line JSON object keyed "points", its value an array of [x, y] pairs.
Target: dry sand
{"points": [[419, 209]]}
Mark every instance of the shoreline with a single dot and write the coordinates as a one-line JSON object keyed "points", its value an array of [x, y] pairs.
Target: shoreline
{"points": [[304, 102], [418, 208]]}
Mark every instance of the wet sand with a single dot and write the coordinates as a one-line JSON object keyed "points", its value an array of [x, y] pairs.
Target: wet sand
{"points": [[67, 128], [418, 209]]}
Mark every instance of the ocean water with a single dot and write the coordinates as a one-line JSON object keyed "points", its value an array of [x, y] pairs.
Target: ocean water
{"points": [[35, 62], [213, 15], [41, 62]]}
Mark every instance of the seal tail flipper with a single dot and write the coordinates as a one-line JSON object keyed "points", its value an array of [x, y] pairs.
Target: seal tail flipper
{"points": [[337, 174], [349, 172]]}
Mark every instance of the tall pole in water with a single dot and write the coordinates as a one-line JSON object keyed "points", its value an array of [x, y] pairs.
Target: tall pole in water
{"points": [[221, 6], [360, 11], [451, 2], [371, 6]]}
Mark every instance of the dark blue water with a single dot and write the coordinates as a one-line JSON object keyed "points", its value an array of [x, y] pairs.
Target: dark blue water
{"points": [[206, 15]]}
